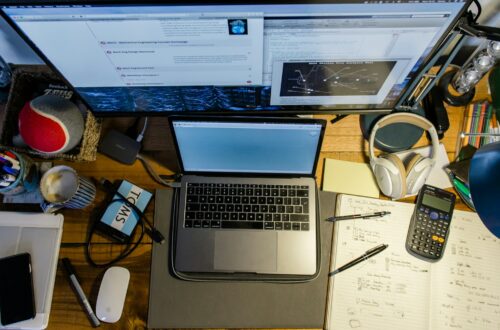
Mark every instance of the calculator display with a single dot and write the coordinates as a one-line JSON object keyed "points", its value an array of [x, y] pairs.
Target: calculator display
{"points": [[436, 202]]}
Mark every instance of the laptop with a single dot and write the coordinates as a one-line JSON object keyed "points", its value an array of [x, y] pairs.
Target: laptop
{"points": [[247, 204]]}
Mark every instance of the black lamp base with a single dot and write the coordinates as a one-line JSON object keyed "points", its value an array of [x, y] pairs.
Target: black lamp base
{"points": [[455, 100]]}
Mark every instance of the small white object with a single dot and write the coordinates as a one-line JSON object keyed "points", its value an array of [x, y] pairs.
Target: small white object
{"points": [[112, 293]]}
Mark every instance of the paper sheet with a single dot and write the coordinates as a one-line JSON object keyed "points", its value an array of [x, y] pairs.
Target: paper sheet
{"points": [[387, 290], [349, 178]]}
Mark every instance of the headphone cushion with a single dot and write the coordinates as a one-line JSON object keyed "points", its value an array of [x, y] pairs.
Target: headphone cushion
{"points": [[413, 161], [390, 174], [418, 169]]}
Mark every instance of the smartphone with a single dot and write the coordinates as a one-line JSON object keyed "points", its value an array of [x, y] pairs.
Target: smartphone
{"points": [[17, 301]]}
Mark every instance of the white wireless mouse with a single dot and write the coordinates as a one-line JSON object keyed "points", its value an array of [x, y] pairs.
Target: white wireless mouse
{"points": [[112, 293]]}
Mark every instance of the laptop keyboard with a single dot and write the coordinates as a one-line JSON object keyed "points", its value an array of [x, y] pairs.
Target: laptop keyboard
{"points": [[247, 206]]}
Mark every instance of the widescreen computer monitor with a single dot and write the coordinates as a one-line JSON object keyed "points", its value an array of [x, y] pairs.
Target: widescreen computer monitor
{"points": [[300, 57]]}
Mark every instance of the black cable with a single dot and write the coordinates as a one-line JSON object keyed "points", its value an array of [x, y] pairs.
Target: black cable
{"points": [[155, 234], [478, 5], [124, 254]]}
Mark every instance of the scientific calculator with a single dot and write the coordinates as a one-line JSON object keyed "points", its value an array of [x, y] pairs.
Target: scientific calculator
{"points": [[430, 223]]}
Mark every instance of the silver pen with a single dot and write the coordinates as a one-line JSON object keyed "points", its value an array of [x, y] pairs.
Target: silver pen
{"points": [[79, 292]]}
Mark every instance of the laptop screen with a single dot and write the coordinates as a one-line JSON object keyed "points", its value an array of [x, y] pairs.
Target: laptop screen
{"points": [[265, 147]]}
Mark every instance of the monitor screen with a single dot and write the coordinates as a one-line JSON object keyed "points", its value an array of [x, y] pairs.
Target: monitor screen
{"points": [[321, 57], [235, 146]]}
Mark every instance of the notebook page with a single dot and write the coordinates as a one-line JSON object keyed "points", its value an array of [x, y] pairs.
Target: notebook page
{"points": [[389, 290], [466, 281]]}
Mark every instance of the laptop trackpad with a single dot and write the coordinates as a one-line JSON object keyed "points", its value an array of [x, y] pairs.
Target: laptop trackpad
{"points": [[246, 252]]}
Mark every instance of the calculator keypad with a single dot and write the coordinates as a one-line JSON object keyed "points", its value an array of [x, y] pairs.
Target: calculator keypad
{"points": [[430, 232]]}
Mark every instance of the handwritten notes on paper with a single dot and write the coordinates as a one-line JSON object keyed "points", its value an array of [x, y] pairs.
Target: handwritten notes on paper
{"points": [[394, 290], [466, 281]]}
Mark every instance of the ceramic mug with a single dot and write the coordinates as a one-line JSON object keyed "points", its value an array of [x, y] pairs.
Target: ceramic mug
{"points": [[62, 187]]}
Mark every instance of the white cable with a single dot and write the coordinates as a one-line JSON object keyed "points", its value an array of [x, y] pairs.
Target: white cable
{"points": [[153, 174], [141, 134]]}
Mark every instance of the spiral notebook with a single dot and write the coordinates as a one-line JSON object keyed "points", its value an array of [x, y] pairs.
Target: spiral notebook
{"points": [[394, 290]]}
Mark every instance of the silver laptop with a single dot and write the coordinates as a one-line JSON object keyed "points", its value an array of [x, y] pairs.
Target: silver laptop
{"points": [[247, 203]]}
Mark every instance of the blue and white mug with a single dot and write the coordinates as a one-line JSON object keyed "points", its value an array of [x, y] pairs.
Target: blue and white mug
{"points": [[62, 187]]}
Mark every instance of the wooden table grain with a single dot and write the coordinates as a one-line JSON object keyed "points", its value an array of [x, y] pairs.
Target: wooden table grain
{"points": [[343, 140]]}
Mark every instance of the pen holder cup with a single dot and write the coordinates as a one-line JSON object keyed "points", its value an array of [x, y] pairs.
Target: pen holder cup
{"points": [[26, 179]]}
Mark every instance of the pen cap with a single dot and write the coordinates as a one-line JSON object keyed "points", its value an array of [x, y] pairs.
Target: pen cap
{"points": [[68, 266], [27, 177]]}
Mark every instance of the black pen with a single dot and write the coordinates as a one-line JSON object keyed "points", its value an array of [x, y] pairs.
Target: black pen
{"points": [[368, 254], [358, 216], [79, 292]]}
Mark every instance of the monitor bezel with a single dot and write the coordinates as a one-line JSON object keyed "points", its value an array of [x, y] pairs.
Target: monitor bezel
{"points": [[290, 110]]}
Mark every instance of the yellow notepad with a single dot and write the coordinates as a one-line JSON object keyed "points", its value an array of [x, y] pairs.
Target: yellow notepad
{"points": [[349, 178]]}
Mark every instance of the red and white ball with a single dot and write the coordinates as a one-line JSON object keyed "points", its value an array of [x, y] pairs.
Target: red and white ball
{"points": [[51, 124]]}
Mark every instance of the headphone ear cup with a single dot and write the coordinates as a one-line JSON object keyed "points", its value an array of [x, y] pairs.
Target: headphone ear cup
{"points": [[390, 174], [418, 169]]}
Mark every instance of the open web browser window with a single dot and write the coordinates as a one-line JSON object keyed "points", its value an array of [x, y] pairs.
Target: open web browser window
{"points": [[127, 58]]}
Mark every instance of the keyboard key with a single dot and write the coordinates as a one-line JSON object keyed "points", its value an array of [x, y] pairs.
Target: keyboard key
{"points": [[302, 193], [304, 226], [242, 225], [197, 223], [295, 226], [287, 226], [215, 224], [234, 216], [192, 207], [299, 217], [191, 199], [259, 217], [268, 225], [242, 216], [278, 225], [205, 224], [305, 204], [276, 217], [190, 215], [188, 224]]}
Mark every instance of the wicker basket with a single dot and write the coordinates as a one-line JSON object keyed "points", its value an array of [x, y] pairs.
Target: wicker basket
{"points": [[27, 83]]}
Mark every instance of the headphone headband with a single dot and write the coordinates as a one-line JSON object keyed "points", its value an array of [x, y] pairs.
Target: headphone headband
{"points": [[408, 118]]}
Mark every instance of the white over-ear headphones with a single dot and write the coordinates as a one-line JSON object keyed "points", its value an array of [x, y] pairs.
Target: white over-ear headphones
{"points": [[393, 179]]}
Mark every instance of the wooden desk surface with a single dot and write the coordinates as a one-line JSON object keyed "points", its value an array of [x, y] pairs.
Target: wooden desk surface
{"points": [[343, 141]]}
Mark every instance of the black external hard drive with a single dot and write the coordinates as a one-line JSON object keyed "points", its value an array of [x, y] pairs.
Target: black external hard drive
{"points": [[120, 147]]}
